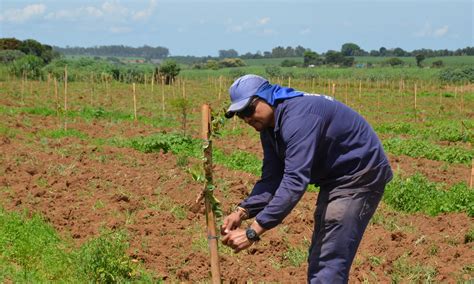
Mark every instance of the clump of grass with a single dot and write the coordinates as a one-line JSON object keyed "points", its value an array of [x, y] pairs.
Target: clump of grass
{"points": [[32, 252], [104, 259], [469, 236], [296, 256], [405, 272], [61, 133], [417, 194]]}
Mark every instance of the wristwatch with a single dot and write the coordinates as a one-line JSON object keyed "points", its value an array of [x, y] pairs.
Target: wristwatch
{"points": [[252, 235]]}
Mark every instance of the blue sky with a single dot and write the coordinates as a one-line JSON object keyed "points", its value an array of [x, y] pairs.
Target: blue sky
{"points": [[201, 28]]}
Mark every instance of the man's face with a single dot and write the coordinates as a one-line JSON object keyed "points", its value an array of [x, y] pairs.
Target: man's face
{"points": [[262, 117]]}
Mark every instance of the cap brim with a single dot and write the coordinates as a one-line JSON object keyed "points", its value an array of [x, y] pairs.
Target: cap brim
{"points": [[237, 106]]}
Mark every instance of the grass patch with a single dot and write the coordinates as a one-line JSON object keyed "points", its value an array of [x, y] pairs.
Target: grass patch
{"points": [[417, 194], [61, 133], [405, 272], [32, 252], [416, 148]]}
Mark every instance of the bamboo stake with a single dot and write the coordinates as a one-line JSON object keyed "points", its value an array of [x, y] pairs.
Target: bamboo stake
{"points": [[360, 89], [220, 87], [65, 97], [152, 81], [134, 103], [56, 97], [312, 85], [289, 82], [333, 90], [163, 94], [471, 182], [210, 218], [92, 88], [49, 87], [415, 103], [184, 89]]}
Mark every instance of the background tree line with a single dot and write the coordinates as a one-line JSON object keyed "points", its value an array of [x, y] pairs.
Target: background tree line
{"points": [[147, 52]]}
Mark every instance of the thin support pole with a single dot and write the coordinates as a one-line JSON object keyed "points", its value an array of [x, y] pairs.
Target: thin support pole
{"points": [[210, 217]]}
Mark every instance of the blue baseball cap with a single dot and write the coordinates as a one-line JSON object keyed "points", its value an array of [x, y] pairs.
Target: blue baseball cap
{"points": [[242, 91]]}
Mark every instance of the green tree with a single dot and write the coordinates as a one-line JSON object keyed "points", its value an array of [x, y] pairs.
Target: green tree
{"points": [[230, 53], [311, 58], [350, 49], [10, 44], [437, 64], [169, 69], [399, 52], [394, 61], [419, 58], [334, 57], [28, 65], [7, 56]]}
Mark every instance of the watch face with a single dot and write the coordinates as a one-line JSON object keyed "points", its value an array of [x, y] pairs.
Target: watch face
{"points": [[251, 234]]}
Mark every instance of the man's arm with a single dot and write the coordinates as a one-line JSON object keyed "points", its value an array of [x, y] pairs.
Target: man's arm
{"points": [[301, 135], [272, 174]]}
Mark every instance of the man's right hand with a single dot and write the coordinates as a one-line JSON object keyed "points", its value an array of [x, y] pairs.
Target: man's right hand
{"points": [[232, 221]]}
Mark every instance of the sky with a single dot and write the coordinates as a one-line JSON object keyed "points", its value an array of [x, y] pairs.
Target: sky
{"points": [[202, 28]]}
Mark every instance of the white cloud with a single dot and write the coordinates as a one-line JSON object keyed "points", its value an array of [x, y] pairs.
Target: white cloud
{"points": [[93, 11], [75, 14], [428, 31], [120, 30], [441, 31], [268, 32], [22, 15], [235, 29], [114, 8], [305, 31], [145, 14], [254, 25], [263, 21]]}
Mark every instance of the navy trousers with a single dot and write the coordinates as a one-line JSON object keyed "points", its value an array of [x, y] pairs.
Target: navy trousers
{"points": [[340, 222]]}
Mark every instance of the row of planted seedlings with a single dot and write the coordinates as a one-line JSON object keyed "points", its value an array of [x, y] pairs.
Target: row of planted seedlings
{"points": [[140, 102], [172, 105]]}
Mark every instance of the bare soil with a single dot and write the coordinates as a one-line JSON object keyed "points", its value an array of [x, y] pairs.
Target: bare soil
{"points": [[81, 188]]}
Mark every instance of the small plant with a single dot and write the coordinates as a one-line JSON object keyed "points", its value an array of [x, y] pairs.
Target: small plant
{"points": [[296, 256], [469, 236], [104, 259]]}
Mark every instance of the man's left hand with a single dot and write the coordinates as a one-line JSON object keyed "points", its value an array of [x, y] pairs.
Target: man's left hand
{"points": [[237, 240]]}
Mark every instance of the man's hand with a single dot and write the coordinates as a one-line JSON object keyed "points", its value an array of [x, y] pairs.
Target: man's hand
{"points": [[233, 221], [237, 240]]}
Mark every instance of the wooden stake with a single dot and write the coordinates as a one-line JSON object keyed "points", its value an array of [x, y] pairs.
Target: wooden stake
{"points": [[220, 88], [471, 182], [134, 103], [163, 94], [333, 90], [360, 89], [415, 102], [289, 82], [184, 89], [210, 218], [152, 81], [65, 97], [56, 97]]}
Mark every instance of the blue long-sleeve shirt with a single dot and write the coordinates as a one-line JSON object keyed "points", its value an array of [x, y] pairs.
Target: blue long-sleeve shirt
{"points": [[316, 140]]}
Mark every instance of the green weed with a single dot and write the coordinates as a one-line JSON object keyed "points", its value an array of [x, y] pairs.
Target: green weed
{"points": [[405, 272], [417, 194], [416, 148]]}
